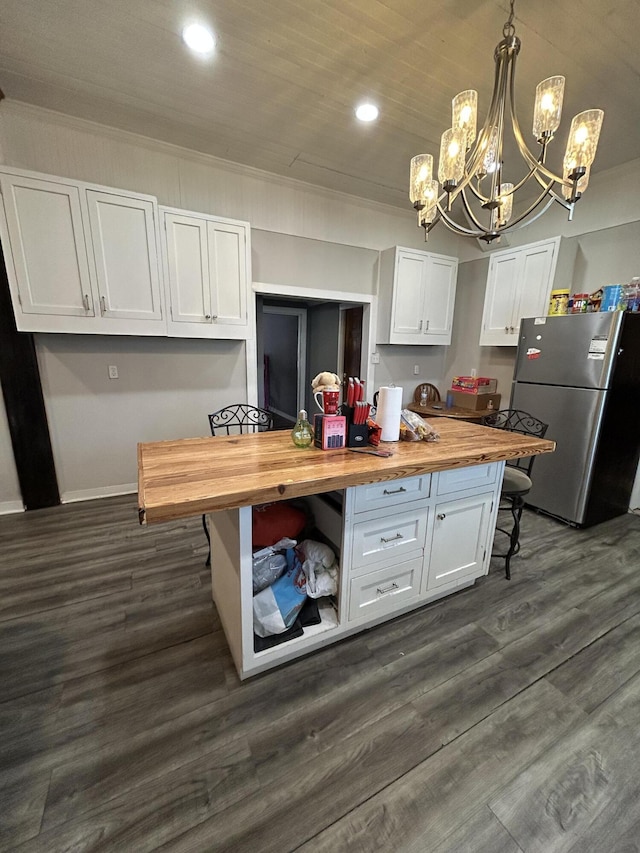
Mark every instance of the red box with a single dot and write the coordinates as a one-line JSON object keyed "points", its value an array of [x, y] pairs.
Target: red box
{"points": [[329, 431], [474, 384]]}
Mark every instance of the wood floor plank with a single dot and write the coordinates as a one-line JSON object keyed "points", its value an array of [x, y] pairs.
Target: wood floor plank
{"points": [[598, 671], [146, 817], [21, 809], [577, 790], [482, 833], [424, 806]]}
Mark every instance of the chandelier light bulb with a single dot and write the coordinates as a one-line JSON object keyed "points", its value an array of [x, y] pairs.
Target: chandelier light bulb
{"points": [[464, 111], [451, 163], [547, 110], [583, 139], [421, 172]]}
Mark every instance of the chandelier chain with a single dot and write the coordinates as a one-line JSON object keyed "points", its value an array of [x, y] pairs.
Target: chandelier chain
{"points": [[509, 29]]}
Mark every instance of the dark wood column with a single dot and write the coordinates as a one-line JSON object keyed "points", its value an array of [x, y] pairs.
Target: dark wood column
{"points": [[22, 392]]}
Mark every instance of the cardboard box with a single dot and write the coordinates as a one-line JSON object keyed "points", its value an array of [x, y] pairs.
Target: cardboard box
{"points": [[474, 402], [474, 384], [329, 431]]}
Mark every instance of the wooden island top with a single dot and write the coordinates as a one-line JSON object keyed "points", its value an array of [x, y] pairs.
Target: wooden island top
{"points": [[192, 476]]}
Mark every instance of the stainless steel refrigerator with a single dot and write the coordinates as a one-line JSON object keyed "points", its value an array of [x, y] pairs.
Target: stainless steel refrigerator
{"points": [[580, 374]]}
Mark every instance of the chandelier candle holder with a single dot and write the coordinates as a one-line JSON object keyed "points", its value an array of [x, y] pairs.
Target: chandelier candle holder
{"points": [[470, 167]]}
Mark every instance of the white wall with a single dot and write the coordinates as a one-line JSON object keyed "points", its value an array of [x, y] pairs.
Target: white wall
{"points": [[165, 389], [303, 236]]}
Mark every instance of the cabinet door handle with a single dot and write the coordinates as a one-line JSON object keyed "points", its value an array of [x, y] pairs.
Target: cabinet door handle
{"points": [[506, 328], [426, 325], [85, 302], [441, 516], [420, 326], [207, 316], [103, 305], [380, 591], [511, 329], [214, 316], [391, 538], [394, 491]]}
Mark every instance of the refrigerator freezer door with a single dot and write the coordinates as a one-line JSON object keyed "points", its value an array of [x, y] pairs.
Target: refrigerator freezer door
{"points": [[561, 480], [576, 350]]}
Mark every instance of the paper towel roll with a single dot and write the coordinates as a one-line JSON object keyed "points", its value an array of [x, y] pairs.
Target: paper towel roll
{"points": [[388, 414]]}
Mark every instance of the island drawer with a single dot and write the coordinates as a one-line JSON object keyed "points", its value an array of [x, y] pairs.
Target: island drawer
{"points": [[382, 537], [385, 590], [471, 477], [391, 493]]}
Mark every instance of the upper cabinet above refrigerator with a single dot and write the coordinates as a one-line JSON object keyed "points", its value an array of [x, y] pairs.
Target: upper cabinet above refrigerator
{"points": [[519, 285]]}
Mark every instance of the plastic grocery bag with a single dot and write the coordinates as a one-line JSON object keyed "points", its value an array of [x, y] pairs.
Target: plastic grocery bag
{"points": [[275, 608], [320, 568], [268, 564]]}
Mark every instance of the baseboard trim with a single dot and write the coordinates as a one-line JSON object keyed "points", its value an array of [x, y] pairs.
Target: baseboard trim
{"points": [[7, 507], [102, 492]]}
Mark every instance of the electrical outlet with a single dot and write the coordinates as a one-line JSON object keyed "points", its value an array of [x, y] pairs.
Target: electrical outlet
{"points": [[416, 369], [113, 371], [375, 358]]}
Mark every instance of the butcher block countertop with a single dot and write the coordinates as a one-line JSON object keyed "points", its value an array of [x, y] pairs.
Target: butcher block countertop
{"points": [[192, 476]]}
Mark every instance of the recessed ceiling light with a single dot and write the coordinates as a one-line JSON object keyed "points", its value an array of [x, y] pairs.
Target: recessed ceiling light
{"points": [[367, 112], [199, 38]]}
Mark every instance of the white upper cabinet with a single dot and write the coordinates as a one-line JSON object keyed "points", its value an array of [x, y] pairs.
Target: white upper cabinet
{"points": [[519, 285], [207, 263], [45, 251], [417, 296], [80, 258], [124, 246]]}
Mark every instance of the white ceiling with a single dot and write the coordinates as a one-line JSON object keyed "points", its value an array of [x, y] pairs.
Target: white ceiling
{"points": [[280, 90]]}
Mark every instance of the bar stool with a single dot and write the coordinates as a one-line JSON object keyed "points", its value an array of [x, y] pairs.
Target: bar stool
{"points": [[517, 482]]}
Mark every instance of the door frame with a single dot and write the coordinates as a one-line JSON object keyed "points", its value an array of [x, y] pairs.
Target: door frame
{"points": [[301, 314], [369, 324]]}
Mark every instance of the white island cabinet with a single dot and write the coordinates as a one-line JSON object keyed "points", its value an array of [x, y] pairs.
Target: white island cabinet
{"points": [[417, 293], [80, 257], [207, 274], [407, 529]]}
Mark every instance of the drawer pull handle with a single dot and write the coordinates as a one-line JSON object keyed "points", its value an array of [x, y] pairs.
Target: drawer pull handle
{"points": [[391, 538], [387, 589], [394, 491], [441, 516]]}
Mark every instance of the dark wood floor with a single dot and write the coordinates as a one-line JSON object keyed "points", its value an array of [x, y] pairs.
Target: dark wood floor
{"points": [[505, 718]]}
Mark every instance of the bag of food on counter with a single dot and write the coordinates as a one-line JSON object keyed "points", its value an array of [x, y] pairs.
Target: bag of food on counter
{"points": [[415, 428], [275, 608], [269, 563]]}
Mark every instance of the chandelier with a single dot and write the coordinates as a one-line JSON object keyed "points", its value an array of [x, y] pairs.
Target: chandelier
{"points": [[470, 167]]}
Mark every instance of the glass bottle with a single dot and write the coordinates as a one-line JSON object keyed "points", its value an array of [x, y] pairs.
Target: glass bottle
{"points": [[302, 434]]}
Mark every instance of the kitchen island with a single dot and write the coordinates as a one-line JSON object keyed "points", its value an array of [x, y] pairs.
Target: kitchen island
{"points": [[408, 529]]}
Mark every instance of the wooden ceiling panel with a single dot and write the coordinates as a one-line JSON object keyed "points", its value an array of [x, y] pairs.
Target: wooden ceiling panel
{"points": [[280, 91]]}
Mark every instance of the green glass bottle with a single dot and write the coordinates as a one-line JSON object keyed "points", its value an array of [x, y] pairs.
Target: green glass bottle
{"points": [[302, 434]]}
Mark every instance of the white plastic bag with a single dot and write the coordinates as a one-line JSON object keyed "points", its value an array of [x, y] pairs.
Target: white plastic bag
{"points": [[320, 568]]}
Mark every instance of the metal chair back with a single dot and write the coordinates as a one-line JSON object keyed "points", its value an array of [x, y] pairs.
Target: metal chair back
{"points": [[515, 420], [240, 418]]}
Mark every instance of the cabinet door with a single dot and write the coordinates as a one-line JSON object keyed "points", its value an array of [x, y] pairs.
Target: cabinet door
{"points": [[440, 294], [47, 242], [126, 257], [407, 312], [459, 547], [498, 327], [228, 273], [188, 268], [535, 282]]}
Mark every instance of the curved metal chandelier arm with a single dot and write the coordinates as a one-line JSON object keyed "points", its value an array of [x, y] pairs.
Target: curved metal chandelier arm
{"points": [[470, 213]]}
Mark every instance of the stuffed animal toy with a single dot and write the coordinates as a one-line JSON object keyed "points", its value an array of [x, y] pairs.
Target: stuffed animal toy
{"points": [[325, 381]]}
